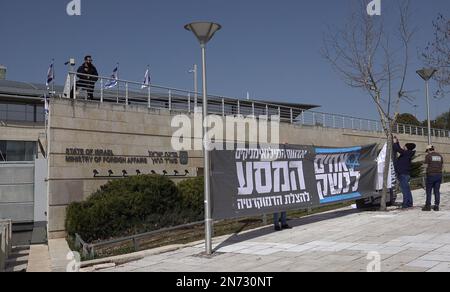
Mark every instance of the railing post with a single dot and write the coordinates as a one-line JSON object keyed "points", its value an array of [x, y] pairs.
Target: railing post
{"points": [[189, 102], [314, 119], [101, 90], [353, 123], [92, 254], [267, 110], [279, 112], [239, 107], [135, 244], [170, 100], [334, 121], [126, 93], [292, 116], [149, 96], [74, 86], [223, 107], [324, 121], [253, 108]]}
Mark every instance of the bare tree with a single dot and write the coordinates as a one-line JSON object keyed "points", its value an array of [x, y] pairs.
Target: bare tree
{"points": [[369, 58], [437, 53]]}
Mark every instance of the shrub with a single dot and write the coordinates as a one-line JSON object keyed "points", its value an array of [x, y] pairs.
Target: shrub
{"points": [[124, 207], [192, 193], [135, 205]]}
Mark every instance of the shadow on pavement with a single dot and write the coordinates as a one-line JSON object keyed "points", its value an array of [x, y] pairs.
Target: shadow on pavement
{"points": [[237, 238]]}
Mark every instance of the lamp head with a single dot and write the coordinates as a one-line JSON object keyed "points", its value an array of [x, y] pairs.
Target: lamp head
{"points": [[203, 31], [426, 74]]}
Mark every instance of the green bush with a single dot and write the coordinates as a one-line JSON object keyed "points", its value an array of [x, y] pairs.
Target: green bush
{"points": [[192, 192], [133, 205]]}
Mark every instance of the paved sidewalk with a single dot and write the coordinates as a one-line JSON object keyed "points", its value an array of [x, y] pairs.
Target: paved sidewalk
{"points": [[39, 259], [407, 241]]}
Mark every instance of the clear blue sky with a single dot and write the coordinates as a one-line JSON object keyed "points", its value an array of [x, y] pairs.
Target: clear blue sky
{"points": [[269, 48]]}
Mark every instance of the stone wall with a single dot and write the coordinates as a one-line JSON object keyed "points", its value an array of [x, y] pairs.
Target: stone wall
{"points": [[87, 136]]}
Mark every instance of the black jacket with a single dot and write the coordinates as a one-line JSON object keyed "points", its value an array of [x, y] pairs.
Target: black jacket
{"points": [[87, 81], [403, 163]]}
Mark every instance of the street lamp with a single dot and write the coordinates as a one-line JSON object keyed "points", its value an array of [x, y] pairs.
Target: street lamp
{"points": [[427, 74], [204, 31]]}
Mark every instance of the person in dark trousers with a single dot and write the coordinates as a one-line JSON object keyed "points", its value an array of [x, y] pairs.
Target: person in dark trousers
{"points": [[277, 219], [435, 164], [403, 169], [89, 78]]}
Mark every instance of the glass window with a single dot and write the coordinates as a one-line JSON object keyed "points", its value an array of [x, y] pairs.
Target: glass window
{"points": [[22, 112], [3, 115], [16, 151], [30, 151], [40, 116], [3, 151]]}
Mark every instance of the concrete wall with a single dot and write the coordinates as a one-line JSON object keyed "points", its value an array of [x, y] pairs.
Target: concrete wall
{"points": [[17, 192], [133, 131], [21, 133], [40, 190]]}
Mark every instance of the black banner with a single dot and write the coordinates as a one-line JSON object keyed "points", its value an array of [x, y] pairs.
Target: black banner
{"points": [[248, 182]]}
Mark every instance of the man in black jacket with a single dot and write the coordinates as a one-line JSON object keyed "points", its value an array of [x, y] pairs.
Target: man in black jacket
{"points": [[403, 169], [87, 76]]}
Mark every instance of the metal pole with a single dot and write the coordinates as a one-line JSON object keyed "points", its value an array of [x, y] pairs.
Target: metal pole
{"points": [[195, 84], [101, 90], [223, 107], [428, 113], [189, 103], [208, 219], [170, 100], [149, 96], [126, 93], [74, 86]]}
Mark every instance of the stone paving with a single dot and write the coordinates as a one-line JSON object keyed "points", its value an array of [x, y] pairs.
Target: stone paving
{"points": [[339, 241]]}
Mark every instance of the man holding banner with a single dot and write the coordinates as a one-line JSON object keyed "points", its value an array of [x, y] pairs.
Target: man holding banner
{"points": [[403, 168]]}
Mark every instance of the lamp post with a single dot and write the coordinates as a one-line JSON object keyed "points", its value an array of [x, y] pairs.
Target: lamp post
{"points": [[427, 74], [204, 31]]}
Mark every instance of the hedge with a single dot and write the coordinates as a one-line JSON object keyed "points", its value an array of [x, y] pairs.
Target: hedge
{"points": [[134, 205]]}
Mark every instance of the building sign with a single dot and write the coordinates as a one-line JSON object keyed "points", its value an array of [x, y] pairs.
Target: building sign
{"points": [[254, 181], [91, 156]]}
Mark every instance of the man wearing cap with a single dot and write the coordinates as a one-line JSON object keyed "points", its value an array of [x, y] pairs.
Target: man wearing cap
{"points": [[435, 163], [403, 169]]}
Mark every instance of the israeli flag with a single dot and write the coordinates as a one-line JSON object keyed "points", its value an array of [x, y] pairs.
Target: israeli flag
{"points": [[114, 79], [146, 83], [50, 74]]}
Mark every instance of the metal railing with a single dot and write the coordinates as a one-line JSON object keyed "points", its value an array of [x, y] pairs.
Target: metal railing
{"points": [[5, 242], [89, 250], [178, 100]]}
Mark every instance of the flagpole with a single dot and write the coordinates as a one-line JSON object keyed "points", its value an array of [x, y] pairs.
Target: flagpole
{"points": [[54, 74], [149, 88], [118, 83]]}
